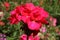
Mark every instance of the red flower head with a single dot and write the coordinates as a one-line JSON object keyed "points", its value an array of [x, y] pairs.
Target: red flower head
{"points": [[34, 25], [31, 37], [36, 37], [33, 16], [23, 37], [53, 20], [7, 5]]}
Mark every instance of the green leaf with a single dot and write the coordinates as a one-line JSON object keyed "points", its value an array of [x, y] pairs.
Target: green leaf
{"points": [[36, 3], [14, 34], [10, 38]]}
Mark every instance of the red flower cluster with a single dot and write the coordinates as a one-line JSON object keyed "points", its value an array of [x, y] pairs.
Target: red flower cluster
{"points": [[31, 37], [33, 16]]}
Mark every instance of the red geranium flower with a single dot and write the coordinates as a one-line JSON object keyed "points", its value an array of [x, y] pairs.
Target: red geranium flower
{"points": [[33, 16]]}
